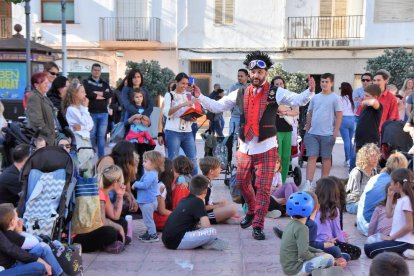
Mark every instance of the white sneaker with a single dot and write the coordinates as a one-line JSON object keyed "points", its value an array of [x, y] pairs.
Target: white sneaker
{"points": [[306, 186], [274, 214], [409, 254]]}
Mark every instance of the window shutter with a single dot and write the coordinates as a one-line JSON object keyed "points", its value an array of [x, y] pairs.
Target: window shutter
{"points": [[229, 12], [394, 11], [218, 18]]}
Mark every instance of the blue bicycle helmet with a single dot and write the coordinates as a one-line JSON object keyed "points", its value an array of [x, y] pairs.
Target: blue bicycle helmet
{"points": [[300, 204]]}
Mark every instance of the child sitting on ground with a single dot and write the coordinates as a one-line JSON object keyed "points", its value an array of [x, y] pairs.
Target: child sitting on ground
{"points": [[327, 219], [279, 193], [390, 264], [181, 230], [380, 223], [147, 192], [182, 167], [12, 227], [296, 256], [164, 199], [113, 180], [220, 211]]}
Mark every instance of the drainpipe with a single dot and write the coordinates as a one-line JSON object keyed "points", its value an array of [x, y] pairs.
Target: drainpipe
{"points": [[28, 55]]}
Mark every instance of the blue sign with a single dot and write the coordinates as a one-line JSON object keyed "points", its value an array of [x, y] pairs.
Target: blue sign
{"points": [[12, 80]]}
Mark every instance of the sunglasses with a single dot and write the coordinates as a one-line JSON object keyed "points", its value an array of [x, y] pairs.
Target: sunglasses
{"points": [[365, 80], [64, 146], [257, 63], [53, 73]]}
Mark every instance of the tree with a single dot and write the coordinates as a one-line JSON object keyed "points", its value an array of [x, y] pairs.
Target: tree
{"points": [[295, 82], [155, 78], [399, 62]]}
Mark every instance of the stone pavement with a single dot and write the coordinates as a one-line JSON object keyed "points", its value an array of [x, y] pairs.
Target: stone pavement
{"points": [[245, 256]]}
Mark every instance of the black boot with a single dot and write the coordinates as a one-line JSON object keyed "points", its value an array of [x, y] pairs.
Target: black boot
{"points": [[258, 234], [247, 221]]}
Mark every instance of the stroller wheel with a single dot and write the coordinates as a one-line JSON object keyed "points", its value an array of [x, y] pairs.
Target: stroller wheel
{"points": [[300, 161], [297, 176]]}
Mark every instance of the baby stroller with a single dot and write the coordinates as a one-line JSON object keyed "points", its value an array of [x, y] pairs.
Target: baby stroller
{"points": [[48, 179], [222, 148], [393, 138], [295, 172]]}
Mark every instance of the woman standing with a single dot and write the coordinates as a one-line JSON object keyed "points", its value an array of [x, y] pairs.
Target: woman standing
{"points": [[178, 132], [406, 92], [284, 130], [56, 94], [40, 110], [348, 120], [134, 80]]}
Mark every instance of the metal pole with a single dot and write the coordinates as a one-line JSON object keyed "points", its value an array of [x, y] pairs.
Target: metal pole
{"points": [[64, 49], [28, 55]]}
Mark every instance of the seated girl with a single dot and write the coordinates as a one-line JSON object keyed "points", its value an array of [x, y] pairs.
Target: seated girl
{"points": [[164, 198], [380, 223], [366, 165], [182, 167]]}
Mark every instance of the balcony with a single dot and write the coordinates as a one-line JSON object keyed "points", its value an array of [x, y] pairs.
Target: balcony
{"points": [[125, 32], [324, 31], [5, 27]]}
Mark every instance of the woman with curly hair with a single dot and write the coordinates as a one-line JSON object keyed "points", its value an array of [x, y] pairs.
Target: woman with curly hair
{"points": [[366, 165], [123, 155]]}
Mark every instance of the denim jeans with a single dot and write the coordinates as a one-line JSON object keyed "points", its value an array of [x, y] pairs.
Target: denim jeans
{"points": [[98, 133], [234, 127], [347, 132], [30, 269], [174, 140], [147, 210], [44, 251]]}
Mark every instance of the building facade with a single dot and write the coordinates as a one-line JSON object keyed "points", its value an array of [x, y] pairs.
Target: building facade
{"points": [[209, 38]]}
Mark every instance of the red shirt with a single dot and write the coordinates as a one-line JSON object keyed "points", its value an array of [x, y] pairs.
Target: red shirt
{"points": [[252, 116], [389, 107]]}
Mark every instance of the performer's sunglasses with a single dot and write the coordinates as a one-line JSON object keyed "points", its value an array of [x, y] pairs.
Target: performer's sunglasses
{"points": [[257, 63]]}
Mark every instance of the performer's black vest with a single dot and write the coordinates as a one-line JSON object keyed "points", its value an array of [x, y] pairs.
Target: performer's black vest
{"points": [[267, 123]]}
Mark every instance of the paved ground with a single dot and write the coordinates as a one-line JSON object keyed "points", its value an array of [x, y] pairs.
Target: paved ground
{"points": [[245, 256]]}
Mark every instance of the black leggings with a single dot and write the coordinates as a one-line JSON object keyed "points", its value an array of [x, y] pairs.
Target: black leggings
{"points": [[274, 205], [97, 239]]}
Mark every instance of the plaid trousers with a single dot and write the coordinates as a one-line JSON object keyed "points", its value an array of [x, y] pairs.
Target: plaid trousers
{"points": [[264, 166]]}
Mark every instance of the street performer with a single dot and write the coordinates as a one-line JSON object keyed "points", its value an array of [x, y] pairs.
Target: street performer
{"points": [[257, 134]]}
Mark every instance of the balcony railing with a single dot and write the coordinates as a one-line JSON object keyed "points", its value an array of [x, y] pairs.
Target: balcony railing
{"points": [[5, 27], [129, 29], [325, 27]]}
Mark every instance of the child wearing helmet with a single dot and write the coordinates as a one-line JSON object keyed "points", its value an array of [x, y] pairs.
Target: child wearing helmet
{"points": [[296, 256]]}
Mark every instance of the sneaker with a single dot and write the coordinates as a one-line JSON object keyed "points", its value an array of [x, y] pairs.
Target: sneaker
{"points": [[346, 256], [333, 270], [217, 244], [143, 236], [278, 232], [409, 254], [306, 186], [115, 248], [151, 238], [274, 214], [341, 262]]}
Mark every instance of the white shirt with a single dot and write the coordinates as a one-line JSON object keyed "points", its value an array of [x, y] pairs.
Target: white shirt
{"points": [[174, 122], [347, 107], [79, 115], [253, 146], [399, 221]]}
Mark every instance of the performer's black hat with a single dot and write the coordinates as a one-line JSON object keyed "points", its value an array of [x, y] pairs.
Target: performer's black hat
{"points": [[257, 59]]}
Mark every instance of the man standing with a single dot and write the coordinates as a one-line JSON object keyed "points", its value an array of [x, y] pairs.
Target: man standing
{"points": [[323, 120], [98, 93], [387, 99], [10, 186], [257, 134], [242, 76], [358, 93]]}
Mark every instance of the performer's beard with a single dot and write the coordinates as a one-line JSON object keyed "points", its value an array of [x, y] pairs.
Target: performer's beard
{"points": [[257, 82]]}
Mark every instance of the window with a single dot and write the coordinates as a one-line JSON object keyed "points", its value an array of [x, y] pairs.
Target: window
{"points": [[51, 11], [394, 11], [224, 12], [200, 67]]}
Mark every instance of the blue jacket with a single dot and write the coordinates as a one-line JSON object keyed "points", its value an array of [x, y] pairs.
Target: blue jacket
{"points": [[147, 187]]}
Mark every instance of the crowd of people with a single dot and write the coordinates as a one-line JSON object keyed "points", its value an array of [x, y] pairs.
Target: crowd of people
{"points": [[175, 199]]}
